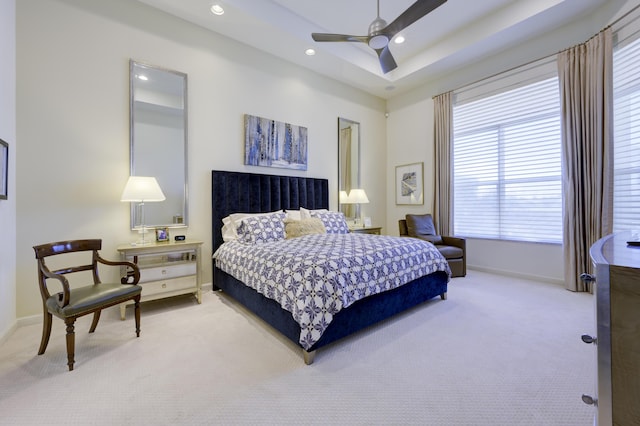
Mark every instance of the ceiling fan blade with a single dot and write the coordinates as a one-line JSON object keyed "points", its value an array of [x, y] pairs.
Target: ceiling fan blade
{"points": [[386, 59], [411, 15], [338, 37]]}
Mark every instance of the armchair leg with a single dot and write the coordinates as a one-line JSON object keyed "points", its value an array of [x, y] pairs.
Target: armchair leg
{"points": [[46, 332], [137, 314], [71, 342], [94, 323]]}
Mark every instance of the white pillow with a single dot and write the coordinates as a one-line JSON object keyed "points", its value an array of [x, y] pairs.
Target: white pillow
{"points": [[306, 214], [294, 214], [230, 224]]}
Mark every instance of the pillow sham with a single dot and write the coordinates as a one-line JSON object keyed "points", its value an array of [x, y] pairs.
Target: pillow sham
{"points": [[261, 229], [294, 214], [334, 222], [231, 223], [297, 228], [306, 214]]}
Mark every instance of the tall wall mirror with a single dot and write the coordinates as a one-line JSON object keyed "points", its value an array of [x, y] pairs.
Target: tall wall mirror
{"points": [[348, 162], [158, 141]]}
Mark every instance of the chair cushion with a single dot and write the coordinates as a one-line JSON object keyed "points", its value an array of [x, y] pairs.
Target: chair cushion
{"points": [[421, 226], [450, 252], [86, 299]]}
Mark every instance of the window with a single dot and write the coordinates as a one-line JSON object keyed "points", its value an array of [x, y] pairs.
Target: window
{"points": [[626, 136], [507, 180]]}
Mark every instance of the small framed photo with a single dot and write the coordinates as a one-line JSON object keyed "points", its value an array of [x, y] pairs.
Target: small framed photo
{"points": [[4, 169], [409, 184], [367, 221], [162, 234]]}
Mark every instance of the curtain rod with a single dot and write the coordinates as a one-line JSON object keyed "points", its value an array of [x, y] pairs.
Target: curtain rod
{"points": [[633, 9]]}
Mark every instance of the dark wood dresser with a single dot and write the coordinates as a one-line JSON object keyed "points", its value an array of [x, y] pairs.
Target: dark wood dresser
{"points": [[617, 339]]}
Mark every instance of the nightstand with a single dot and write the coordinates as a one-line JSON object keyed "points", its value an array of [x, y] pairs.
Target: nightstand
{"points": [[166, 269], [367, 230]]}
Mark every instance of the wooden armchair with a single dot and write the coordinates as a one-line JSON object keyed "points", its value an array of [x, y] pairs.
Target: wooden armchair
{"points": [[452, 248], [69, 304]]}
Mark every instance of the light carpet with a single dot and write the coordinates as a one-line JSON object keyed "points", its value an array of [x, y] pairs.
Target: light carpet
{"points": [[498, 351]]}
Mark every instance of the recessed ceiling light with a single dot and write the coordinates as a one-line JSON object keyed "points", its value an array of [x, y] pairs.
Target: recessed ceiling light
{"points": [[310, 52], [398, 39], [216, 9]]}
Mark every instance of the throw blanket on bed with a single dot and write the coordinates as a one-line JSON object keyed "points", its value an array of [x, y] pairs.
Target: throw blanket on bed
{"points": [[315, 276]]}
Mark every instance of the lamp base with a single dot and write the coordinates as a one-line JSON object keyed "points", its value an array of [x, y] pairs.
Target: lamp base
{"points": [[143, 241]]}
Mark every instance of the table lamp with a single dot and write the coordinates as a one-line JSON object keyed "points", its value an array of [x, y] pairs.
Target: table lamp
{"points": [[357, 197], [142, 189]]}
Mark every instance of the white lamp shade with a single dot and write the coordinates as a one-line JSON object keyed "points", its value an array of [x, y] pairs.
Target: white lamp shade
{"points": [[344, 198], [142, 189], [358, 196]]}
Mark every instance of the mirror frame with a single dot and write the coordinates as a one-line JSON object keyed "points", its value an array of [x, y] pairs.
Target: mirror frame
{"points": [[133, 66], [342, 123]]}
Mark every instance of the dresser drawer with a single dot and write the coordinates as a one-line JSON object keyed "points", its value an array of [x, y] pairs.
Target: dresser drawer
{"points": [[167, 272], [167, 286]]}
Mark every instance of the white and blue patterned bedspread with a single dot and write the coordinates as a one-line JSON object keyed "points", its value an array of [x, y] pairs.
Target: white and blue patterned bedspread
{"points": [[315, 276]]}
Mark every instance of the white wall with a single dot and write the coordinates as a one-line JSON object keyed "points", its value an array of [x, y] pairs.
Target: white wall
{"points": [[73, 120], [410, 139], [8, 134]]}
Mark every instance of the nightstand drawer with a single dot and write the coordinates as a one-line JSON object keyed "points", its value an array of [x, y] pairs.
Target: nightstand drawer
{"points": [[167, 272], [169, 285]]}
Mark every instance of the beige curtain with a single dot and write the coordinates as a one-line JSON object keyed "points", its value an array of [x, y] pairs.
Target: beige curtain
{"points": [[442, 135], [346, 169], [585, 75]]}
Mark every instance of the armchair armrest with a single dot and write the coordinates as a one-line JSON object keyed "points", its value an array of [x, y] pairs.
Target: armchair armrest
{"points": [[455, 242], [124, 280], [64, 296]]}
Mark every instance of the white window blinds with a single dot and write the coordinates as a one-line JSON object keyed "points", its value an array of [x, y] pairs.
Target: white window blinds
{"points": [[507, 159], [626, 134]]}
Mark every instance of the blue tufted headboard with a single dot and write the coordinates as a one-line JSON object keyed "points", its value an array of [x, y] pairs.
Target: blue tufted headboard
{"points": [[233, 192]]}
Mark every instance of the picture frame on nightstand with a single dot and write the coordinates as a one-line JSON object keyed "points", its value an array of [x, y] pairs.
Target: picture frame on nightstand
{"points": [[162, 234]]}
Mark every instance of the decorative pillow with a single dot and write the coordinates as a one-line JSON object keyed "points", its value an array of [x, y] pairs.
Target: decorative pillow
{"points": [[231, 223], [334, 222], [298, 228], [306, 214], [421, 226], [294, 214], [262, 229]]}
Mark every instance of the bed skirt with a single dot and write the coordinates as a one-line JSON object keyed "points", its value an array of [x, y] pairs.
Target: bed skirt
{"points": [[359, 315]]}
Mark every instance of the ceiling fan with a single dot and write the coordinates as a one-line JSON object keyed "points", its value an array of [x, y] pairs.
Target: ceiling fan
{"points": [[380, 33]]}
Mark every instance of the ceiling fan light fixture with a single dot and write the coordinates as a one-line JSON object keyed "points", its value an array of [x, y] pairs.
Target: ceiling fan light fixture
{"points": [[379, 41], [380, 34], [216, 9]]}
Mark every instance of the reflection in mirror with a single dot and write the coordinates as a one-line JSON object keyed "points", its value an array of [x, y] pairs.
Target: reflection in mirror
{"points": [[158, 140], [348, 162]]}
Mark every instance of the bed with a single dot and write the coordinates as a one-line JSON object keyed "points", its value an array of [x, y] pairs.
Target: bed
{"points": [[234, 192]]}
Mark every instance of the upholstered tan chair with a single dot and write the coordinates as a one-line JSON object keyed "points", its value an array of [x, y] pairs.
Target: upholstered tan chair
{"points": [[71, 303], [452, 248]]}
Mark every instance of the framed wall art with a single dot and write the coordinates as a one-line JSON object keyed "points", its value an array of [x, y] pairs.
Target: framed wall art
{"points": [[4, 169], [271, 143], [409, 184]]}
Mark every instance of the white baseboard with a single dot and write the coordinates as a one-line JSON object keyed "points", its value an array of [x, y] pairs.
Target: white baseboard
{"points": [[532, 277], [8, 332]]}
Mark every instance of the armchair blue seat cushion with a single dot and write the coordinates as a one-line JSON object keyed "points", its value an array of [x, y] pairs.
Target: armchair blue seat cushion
{"points": [[421, 226]]}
